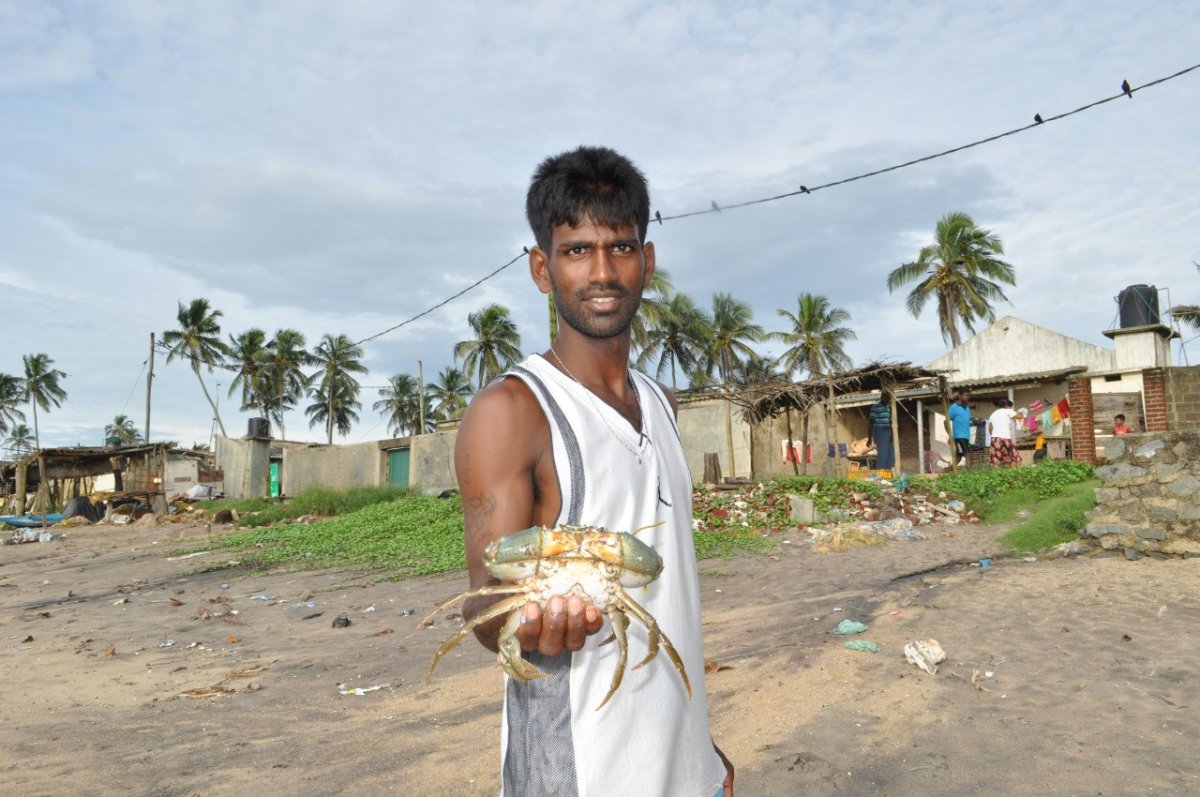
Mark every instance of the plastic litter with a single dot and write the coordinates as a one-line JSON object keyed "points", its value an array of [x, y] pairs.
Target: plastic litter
{"points": [[361, 690], [849, 626], [984, 564], [862, 645], [925, 653]]}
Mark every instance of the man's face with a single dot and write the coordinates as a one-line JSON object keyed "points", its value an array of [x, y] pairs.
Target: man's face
{"points": [[964, 398], [596, 274]]}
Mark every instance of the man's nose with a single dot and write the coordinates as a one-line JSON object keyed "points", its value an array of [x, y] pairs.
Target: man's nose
{"points": [[603, 268]]}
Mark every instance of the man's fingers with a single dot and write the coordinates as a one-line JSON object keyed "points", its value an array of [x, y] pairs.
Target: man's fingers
{"points": [[530, 629], [576, 624], [593, 619], [554, 626]]}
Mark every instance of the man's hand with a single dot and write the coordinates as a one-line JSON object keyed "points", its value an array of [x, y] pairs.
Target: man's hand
{"points": [[565, 625]]}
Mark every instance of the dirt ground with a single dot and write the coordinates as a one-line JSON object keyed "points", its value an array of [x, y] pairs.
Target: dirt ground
{"points": [[1073, 676]]}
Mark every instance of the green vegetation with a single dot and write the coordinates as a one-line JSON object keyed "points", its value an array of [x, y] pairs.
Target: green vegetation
{"points": [[1054, 520], [729, 542], [414, 536], [313, 501], [1045, 480]]}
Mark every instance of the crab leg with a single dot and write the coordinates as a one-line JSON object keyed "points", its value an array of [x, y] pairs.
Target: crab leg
{"points": [[509, 652], [494, 589], [619, 622], [654, 631], [495, 610]]}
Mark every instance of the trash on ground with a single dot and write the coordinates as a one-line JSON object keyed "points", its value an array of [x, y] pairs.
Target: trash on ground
{"points": [[341, 621], [925, 653], [849, 626], [862, 645], [361, 690]]}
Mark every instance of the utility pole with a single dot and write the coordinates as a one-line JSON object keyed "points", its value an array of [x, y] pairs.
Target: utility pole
{"points": [[421, 395], [149, 383]]}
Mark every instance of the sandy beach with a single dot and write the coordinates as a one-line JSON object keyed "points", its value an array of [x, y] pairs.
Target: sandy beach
{"points": [[129, 673]]}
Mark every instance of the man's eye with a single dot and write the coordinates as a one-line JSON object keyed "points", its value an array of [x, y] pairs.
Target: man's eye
{"points": [[623, 249], [576, 250]]}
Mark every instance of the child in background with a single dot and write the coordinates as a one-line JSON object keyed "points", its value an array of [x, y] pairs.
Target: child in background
{"points": [[1119, 426]]}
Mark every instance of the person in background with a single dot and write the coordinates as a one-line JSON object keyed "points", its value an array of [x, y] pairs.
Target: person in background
{"points": [[1119, 426], [960, 424], [881, 432], [1002, 450]]}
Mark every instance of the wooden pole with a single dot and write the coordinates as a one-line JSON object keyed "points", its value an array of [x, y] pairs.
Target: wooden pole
{"points": [[949, 426], [421, 395], [43, 485], [804, 433], [791, 443], [149, 383], [895, 433], [22, 484]]}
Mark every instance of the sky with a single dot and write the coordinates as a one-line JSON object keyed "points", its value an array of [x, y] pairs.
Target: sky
{"points": [[338, 168]]}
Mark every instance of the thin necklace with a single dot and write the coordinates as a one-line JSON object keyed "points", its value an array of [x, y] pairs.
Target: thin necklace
{"points": [[592, 398]]}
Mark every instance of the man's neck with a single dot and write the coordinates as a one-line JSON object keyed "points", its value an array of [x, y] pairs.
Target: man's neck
{"points": [[594, 361]]}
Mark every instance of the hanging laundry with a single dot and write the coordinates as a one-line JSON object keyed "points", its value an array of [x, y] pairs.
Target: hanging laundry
{"points": [[1031, 423], [1064, 408], [1037, 406], [1046, 420], [1055, 415]]}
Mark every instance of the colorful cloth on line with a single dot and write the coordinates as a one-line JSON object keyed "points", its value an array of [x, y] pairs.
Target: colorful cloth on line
{"points": [[1055, 415], [1037, 406], [1064, 408], [1003, 451]]}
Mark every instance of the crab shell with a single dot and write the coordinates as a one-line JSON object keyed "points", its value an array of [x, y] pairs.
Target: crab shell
{"points": [[539, 553]]}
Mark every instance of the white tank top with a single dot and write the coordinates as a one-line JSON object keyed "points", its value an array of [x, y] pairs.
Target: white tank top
{"points": [[649, 740]]}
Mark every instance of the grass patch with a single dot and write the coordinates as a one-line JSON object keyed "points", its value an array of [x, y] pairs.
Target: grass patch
{"points": [[1046, 480], [412, 536], [1054, 520], [726, 543], [1005, 507], [312, 501]]}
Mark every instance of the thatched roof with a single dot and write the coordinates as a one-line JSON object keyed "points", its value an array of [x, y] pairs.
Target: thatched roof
{"points": [[768, 401], [78, 461]]}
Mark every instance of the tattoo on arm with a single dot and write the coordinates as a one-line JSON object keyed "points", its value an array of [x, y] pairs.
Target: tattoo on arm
{"points": [[480, 509]]}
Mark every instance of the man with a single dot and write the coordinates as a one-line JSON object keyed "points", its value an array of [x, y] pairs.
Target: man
{"points": [[573, 436], [960, 424], [1119, 426], [881, 432], [1002, 450]]}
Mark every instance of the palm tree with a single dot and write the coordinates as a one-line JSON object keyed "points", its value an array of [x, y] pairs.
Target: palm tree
{"points": [[198, 339], [400, 401], [20, 441], [675, 337], [449, 394], [730, 332], [123, 429], [760, 370], [248, 353], [336, 390], [653, 309], [12, 395], [284, 380], [496, 346], [816, 341], [961, 270], [42, 388]]}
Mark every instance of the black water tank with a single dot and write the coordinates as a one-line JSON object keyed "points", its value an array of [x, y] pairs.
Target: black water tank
{"points": [[1138, 306], [259, 427]]}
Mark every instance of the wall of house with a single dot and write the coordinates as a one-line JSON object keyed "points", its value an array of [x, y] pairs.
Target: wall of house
{"points": [[181, 475], [431, 462], [702, 427], [246, 464], [767, 445], [333, 467], [1012, 346]]}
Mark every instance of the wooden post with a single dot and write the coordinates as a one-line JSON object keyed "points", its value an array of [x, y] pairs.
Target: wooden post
{"points": [[729, 432], [421, 395], [791, 442], [22, 485], [149, 384], [712, 469], [804, 455], [895, 433], [837, 443], [43, 486]]}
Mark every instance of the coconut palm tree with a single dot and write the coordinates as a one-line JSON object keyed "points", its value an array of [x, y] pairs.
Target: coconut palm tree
{"points": [[448, 395], [760, 370], [653, 309], [961, 270], [675, 337], [12, 395], [248, 353], [284, 380], [198, 340], [42, 388], [816, 341], [123, 429], [496, 345], [335, 390], [400, 401], [20, 441], [730, 332]]}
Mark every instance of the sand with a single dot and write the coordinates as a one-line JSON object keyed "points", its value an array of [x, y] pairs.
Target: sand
{"points": [[1073, 676]]}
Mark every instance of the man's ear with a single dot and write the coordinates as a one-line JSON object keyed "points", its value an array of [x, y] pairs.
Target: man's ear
{"points": [[648, 256], [539, 269]]}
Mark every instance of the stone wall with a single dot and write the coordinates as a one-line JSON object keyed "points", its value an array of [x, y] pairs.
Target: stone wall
{"points": [[1149, 499]]}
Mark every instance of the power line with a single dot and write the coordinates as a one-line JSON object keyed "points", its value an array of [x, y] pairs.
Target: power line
{"points": [[1038, 121], [136, 379]]}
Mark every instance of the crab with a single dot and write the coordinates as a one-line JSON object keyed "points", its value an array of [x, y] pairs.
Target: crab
{"points": [[593, 563]]}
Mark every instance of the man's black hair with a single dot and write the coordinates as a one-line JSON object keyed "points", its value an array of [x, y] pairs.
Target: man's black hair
{"points": [[963, 391], [588, 182]]}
